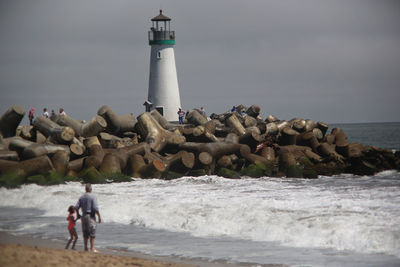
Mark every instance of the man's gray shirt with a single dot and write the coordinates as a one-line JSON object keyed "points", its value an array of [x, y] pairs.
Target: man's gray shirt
{"points": [[88, 203]]}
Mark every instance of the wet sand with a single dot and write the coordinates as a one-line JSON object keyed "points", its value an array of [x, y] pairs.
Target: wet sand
{"points": [[30, 251]]}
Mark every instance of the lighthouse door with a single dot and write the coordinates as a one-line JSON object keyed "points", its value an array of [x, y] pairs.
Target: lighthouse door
{"points": [[160, 110]]}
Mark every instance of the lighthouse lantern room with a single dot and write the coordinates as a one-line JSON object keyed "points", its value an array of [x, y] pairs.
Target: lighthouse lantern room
{"points": [[163, 94]]}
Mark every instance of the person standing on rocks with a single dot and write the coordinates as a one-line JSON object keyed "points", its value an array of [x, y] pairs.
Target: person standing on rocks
{"points": [[31, 115], [181, 115], [202, 111], [45, 113], [62, 112], [88, 204]]}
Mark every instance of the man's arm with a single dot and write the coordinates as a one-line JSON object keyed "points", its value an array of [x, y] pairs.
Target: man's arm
{"points": [[78, 216], [98, 216], [95, 207], [77, 206]]}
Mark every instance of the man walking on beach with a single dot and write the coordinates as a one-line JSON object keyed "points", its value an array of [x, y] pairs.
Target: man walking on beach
{"points": [[88, 204]]}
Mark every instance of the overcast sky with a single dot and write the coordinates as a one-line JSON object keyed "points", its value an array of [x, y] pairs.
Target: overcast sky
{"points": [[331, 61]]}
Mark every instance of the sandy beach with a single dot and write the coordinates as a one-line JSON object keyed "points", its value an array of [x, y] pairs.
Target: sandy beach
{"points": [[22, 255], [31, 251]]}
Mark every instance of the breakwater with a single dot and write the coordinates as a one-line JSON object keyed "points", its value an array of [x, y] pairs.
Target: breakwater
{"points": [[112, 148]]}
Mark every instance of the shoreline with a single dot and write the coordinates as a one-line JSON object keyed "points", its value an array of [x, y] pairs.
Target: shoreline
{"points": [[20, 250]]}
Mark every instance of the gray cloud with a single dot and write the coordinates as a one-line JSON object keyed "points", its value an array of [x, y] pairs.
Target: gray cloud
{"points": [[335, 61]]}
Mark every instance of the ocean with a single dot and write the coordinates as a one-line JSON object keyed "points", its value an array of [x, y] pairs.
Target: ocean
{"points": [[344, 220], [383, 134]]}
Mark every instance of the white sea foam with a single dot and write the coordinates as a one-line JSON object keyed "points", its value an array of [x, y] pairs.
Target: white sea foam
{"points": [[344, 214]]}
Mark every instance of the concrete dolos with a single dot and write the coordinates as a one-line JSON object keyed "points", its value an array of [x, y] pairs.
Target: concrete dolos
{"points": [[10, 120], [111, 147], [51, 129]]}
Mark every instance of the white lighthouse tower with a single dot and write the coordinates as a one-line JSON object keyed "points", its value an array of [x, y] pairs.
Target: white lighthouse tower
{"points": [[163, 82]]}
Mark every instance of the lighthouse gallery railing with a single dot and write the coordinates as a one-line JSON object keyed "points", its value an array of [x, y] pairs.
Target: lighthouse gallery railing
{"points": [[161, 35]]}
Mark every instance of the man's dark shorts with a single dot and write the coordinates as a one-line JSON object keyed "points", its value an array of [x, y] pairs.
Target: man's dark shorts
{"points": [[88, 226]]}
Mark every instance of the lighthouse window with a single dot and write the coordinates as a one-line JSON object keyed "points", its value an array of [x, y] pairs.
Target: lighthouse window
{"points": [[158, 54]]}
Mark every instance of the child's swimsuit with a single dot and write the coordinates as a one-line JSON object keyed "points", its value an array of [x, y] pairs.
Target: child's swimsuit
{"points": [[71, 222]]}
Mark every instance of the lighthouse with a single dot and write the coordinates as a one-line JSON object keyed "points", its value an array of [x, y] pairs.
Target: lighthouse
{"points": [[163, 94]]}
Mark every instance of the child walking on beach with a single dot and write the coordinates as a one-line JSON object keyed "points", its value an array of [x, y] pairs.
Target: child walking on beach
{"points": [[71, 227]]}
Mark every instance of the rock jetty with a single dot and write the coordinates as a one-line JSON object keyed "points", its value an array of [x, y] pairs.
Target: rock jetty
{"points": [[114, 148]]}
